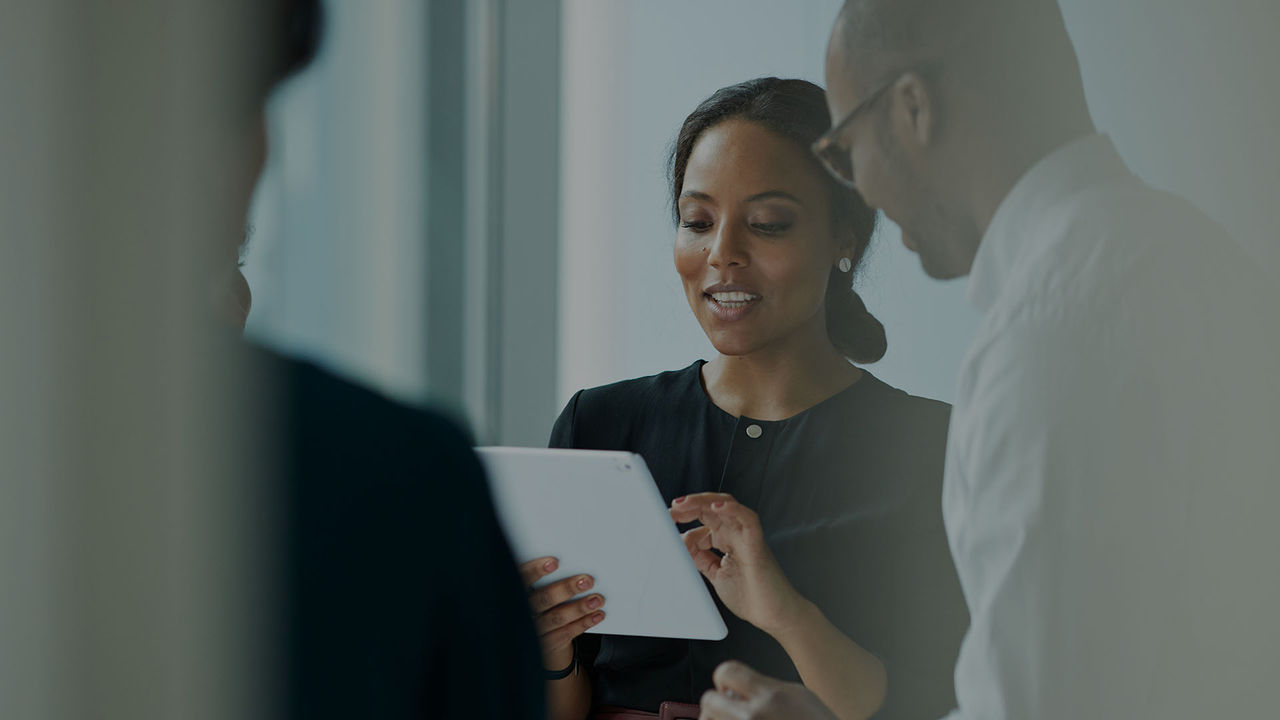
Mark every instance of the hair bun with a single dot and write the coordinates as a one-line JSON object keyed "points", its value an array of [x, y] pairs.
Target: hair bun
{"points": [[854, 330]]}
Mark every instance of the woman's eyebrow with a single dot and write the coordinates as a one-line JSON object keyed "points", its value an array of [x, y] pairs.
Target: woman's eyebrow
{"points": [[766, 195], [775, 195]]}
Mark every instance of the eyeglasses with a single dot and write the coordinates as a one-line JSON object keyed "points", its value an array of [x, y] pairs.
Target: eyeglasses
{"points": [[834, 155]]}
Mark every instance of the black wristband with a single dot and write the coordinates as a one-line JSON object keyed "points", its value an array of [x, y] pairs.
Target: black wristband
{"points": [[562, 674]]}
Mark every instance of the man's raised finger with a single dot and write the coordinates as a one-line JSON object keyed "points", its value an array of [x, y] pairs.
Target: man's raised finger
{"points": [[718, 706], [736, 678]]}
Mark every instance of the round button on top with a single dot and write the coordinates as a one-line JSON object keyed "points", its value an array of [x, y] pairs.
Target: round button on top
{"points": [[754, 431]]}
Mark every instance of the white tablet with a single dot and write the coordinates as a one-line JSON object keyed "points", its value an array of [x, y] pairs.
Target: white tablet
{"points": [[601, 514]]}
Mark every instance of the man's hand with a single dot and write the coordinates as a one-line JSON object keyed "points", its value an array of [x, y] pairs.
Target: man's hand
{"points": [[744, 694]]}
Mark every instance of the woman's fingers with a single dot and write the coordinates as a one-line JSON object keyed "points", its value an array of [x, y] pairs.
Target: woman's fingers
{"points": [[733, 515], [536, 569], [557, 592], [697, 539], [562, 636], [545, 598], [698, 542], [713, 509], [567, 613], [692, 507], [733, 526]]}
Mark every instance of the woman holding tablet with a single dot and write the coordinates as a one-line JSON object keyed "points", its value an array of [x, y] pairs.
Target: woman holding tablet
{"points": [[808, 490]]}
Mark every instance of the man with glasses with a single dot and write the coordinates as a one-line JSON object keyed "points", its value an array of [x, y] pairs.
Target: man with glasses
{"points": [[1112, 468]]}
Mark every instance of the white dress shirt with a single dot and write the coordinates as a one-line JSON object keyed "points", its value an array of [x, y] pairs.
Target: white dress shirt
{"points": [[1112, 491]]}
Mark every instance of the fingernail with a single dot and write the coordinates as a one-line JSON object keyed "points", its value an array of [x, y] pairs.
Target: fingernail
{"points": [[595, 602], [595, 619], [717, 505], [679, 500], [584, 582], [549, 565]]}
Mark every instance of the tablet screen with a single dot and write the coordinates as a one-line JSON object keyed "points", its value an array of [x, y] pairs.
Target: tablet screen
{"points": [[600, 513]]}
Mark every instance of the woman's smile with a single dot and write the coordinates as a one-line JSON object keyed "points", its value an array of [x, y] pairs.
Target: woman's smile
{"points": [[730, 303]]}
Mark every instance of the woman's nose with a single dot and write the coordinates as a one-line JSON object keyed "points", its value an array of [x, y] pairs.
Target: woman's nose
{"points": [[728, 247]]}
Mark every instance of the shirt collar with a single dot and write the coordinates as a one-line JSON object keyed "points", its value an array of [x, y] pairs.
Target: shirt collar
{"points": [[1013, 228]]}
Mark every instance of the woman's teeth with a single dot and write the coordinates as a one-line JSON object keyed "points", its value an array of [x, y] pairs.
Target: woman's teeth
{"points": [[734, 299]]}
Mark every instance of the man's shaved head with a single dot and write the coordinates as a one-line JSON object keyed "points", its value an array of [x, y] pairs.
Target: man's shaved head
{"points": [[871, 36], [1009, 47]]}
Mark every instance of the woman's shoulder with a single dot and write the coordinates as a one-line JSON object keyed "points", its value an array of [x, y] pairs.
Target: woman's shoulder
{"points": [[595, 415], [899, 405], [663, 386], [900, 426], [896, 444]]}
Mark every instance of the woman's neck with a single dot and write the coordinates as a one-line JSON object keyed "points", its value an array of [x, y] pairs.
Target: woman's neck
{"points": [[776, 383]]}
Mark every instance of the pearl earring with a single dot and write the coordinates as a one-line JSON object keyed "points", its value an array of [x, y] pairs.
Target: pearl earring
{"points": [[845, 265]]}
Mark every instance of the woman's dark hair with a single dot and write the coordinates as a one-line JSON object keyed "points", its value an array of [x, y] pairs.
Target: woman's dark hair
{"points": [[797, 110]]}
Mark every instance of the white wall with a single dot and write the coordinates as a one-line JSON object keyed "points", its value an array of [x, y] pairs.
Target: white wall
{"points": [[1185, 88], [1188, 91]]}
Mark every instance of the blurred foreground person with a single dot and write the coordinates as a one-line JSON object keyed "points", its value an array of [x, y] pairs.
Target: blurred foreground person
{"points": [[1113, 461], [401, 598]]}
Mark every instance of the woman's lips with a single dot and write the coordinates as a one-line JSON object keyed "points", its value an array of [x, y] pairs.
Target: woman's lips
{"points": [[730, 306]]}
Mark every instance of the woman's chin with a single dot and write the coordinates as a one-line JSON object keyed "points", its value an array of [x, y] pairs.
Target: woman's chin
{"points": [[730, 346]]}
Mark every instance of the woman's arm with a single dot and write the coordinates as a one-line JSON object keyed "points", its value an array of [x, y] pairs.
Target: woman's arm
{"points": [[569, 698], [559, 618], [749, 581], [847, 678]]}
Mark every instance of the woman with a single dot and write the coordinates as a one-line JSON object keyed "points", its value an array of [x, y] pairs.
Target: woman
{"points": [[809, 491]]}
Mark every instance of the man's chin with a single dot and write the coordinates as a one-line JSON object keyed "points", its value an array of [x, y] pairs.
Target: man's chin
{"points": [[937, 263], [939, 266], [909, 241], [939, 273]]}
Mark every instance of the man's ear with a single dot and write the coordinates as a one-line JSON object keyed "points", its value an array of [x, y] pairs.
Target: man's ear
{"points": [[913, 111]]}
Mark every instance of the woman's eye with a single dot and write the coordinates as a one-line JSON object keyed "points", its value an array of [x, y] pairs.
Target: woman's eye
{"points": [[771, 228], [695, 225]]}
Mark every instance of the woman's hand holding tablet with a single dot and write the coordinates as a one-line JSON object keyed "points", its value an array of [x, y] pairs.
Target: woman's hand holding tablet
{"points": [[558, 616]]}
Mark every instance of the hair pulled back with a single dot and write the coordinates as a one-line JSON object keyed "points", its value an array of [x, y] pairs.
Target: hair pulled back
{"points": [[797, 111]]}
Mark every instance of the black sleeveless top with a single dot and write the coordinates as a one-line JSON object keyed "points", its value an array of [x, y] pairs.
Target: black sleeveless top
{"points": [[849, 496]]}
